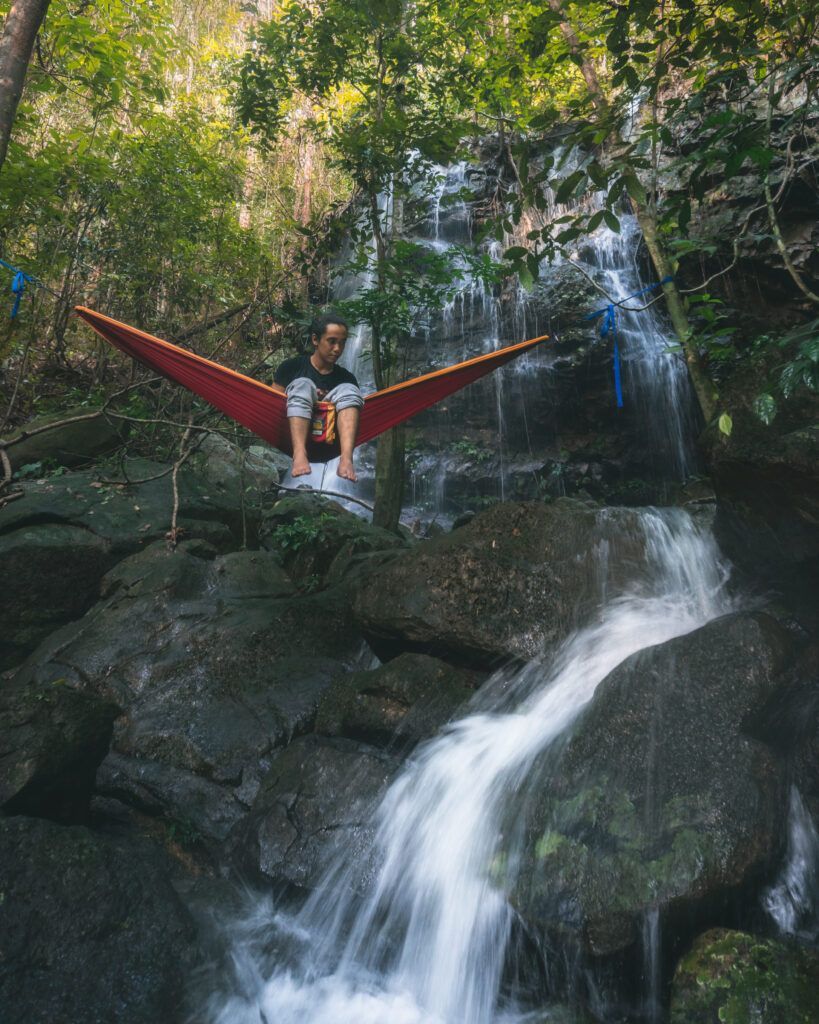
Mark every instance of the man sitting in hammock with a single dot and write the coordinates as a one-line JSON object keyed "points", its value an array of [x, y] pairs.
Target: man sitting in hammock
{"points": [[316, 377]]}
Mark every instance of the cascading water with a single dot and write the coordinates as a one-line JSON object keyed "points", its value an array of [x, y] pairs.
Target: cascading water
{"points": [[793, 902], [429, 944]]}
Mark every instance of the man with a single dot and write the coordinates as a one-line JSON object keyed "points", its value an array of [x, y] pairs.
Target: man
{"points": [[315, 377]]}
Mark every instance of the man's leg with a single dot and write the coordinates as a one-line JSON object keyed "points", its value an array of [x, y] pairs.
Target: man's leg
{"points": [[301, 398], [348, 401]]}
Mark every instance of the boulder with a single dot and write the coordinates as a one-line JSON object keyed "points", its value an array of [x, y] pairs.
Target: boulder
{"points": [[509, 583], [52, 739], [227, 467], [321, 543], [767, 485], [72, 444], [397, 705], [214, 664], [315, 803], [91, 930], [53, 571], [58, 541], [729, 976], [662, 801]]}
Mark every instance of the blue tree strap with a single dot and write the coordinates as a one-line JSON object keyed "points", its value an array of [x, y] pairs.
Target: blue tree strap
{"points": [[608, 326], [18, 285]]}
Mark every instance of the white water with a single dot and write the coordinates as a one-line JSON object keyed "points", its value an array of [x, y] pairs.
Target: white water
{"points": [[429, 944], [793, 901]]}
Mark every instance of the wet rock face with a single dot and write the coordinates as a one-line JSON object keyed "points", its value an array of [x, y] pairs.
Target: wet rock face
{"points": [[507, 585], [58, 541], [662, 799], [91, 931], [729, 977], [316, 801], [52, 739], [214, 663], [397, 705], [767, 486]]}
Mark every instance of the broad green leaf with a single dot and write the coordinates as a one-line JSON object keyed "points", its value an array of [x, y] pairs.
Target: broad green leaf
{"points": [[765, 408], [725, 424], [567, 187], [634, 187]]}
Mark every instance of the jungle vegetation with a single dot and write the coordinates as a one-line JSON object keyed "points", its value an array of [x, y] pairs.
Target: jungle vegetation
{"points": [[191, 169]]}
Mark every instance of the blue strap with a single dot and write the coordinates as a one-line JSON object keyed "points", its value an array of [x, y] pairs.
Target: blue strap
{"points": [[18, 285], [608, 325]]}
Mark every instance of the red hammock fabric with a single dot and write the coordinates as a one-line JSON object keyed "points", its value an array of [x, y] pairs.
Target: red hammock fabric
{"points": [[262, 408]]}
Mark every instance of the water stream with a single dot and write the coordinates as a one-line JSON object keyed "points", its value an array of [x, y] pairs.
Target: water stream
{"points": [[429, 945]]}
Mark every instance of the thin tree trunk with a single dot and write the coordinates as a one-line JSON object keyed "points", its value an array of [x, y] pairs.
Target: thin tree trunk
{"points": [[389, 478], [19, 32], [704, 387]]}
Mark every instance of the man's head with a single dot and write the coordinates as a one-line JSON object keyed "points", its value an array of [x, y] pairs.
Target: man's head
{"points": [[328, 334]]}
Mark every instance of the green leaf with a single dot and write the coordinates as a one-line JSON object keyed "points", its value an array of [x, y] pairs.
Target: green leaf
{"points": [[634, 187], [611, 221], [526, 279], [765, 408], [725, 424], [567, 187], [596, 220]]}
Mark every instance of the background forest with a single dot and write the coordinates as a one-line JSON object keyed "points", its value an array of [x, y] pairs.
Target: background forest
{"points": [[191, 169]]}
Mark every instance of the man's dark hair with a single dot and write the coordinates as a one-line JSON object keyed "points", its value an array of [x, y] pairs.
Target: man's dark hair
{"points": [[323, 321]]}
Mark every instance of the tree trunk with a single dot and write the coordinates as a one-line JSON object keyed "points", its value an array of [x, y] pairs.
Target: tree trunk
{"points": [[19, 32], [704, 387], [389, 478]]}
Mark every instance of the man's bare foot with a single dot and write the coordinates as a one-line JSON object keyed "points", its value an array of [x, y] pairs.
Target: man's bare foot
{"points": [[346, 469], [300, 467]]}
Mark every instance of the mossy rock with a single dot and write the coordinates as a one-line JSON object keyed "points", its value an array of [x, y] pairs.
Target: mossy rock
{"points": [[661, 797], [319, 542], [729, 977]]}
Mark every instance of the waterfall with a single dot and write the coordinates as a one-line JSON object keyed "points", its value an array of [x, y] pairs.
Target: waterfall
{"points": [[793, 901], [429, 944]]}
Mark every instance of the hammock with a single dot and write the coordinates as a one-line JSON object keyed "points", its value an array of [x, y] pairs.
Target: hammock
{"points": [[262, 408]]}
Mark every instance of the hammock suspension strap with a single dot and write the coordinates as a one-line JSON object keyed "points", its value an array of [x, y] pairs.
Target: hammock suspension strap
{"points": [[608, 325]]}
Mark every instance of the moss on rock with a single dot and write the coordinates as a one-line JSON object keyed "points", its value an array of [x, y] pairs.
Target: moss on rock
{"points": [[729, 977]]}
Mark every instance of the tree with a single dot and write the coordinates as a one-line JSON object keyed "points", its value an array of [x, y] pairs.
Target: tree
{"points": [[20, 29]]}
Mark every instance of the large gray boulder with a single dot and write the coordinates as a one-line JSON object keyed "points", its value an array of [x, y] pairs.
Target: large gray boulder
{"points": [[662, 800], [91, 930], [58, 541], [214, 663], [314, 805], [507, 585]]}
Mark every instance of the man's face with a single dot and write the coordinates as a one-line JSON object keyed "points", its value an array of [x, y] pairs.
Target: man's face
{"points": [[330, 346]]}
